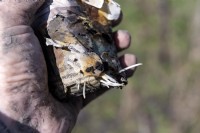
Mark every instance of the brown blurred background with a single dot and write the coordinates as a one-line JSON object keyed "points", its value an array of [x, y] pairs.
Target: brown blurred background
{"points": [[164, 94]]}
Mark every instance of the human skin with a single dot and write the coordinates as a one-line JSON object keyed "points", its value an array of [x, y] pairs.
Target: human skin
{"points": [[26, 105]]}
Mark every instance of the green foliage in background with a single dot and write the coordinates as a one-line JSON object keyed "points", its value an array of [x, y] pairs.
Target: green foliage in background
{"points": [[163, 95]]}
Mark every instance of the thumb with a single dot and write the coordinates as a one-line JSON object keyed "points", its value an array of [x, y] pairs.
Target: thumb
{"points": [[22, 5], [14, 12]]}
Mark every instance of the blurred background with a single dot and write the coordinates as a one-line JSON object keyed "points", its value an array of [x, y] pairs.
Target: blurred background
{"points": [[164, 94]]}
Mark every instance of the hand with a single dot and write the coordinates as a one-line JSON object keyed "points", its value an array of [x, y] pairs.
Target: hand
{"points": [[26, 104]]}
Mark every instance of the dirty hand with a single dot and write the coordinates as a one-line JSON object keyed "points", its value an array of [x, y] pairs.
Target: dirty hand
{"points": [[26, 104]]}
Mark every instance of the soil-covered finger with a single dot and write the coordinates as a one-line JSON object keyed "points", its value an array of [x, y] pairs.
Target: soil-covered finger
{"points": [[122, 39], [128, 60]]}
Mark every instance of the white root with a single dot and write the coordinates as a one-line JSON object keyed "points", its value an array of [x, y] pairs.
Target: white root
{"points": [[129, 67], [107, 78], [109, 81], [104, 83], [84, 96]]}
